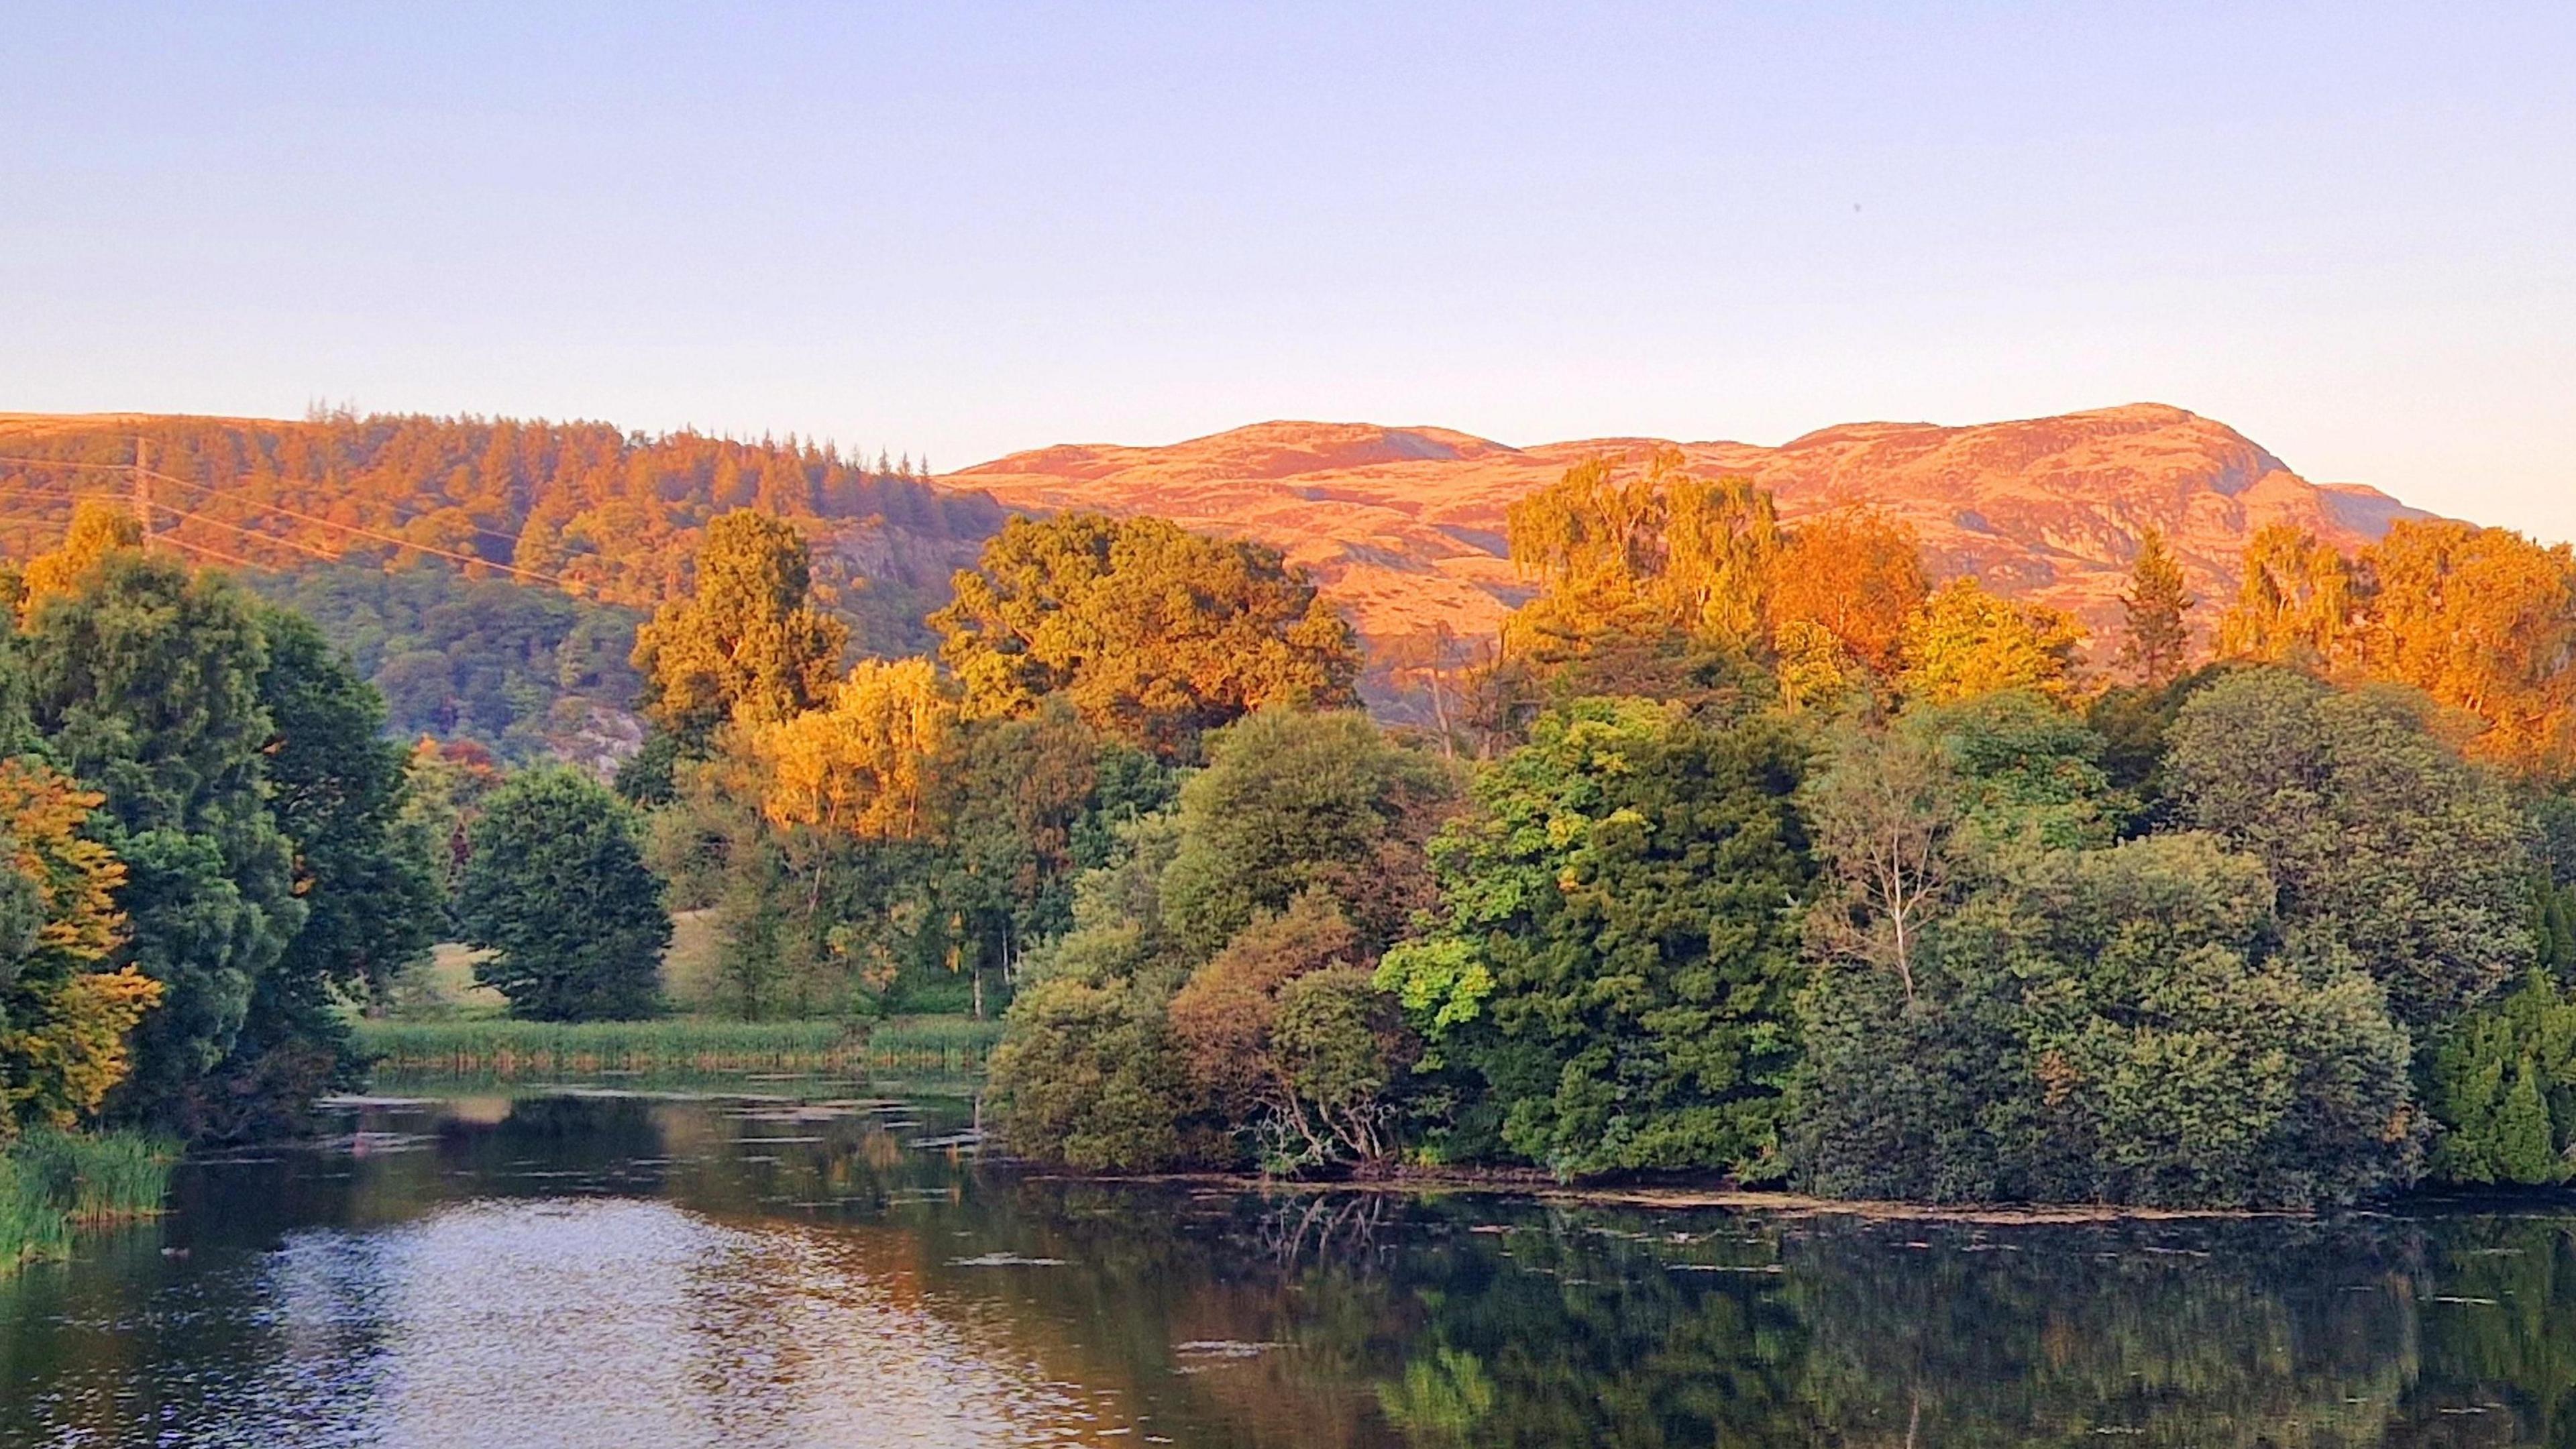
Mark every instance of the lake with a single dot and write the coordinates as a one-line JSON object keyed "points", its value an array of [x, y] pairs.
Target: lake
{"points": [[811, 1265]]}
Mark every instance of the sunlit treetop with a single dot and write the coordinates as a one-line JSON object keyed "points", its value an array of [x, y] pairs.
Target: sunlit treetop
{"points": [[1154, 634]]}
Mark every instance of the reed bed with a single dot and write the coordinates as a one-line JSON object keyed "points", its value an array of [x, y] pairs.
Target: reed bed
{"points": [[501, 1048], [53, 1182]]}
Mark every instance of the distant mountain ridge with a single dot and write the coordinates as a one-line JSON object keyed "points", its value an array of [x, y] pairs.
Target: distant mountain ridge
{"points": [[1404, 525]]}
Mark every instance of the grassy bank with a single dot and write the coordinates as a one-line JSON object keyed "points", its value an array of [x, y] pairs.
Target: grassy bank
{"points": [[53, 1182], [686, 1044]]}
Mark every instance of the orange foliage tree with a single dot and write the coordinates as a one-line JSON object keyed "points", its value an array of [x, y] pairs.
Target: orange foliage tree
{"points": [[1857, 574], [2296, 603], [2480, 619]]}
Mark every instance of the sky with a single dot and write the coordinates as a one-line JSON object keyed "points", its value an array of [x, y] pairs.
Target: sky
{"points": [[958, 229]]}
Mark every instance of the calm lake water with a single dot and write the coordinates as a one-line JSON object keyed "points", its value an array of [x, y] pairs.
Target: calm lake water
{"points": [[532, 1267]]}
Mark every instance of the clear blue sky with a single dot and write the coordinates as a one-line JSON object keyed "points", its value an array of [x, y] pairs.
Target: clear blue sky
{"points": [[2349, 230]]}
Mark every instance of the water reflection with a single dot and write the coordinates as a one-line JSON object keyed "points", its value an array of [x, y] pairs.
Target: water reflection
{"points": [[632, 1270]]}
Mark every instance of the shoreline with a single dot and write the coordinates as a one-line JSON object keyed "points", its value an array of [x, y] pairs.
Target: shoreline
{"points": [[1539, 1187]]}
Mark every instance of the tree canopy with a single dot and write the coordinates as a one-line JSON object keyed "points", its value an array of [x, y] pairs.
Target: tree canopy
{"points": [[1618, 942], [2389, 851], [2155, 642], [1154, 634], [558, 893], [144, 680], [748, 645]]}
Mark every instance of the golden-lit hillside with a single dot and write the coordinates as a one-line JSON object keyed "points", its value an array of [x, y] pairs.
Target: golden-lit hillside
{"points": [[1405, 525], [606, 515]]}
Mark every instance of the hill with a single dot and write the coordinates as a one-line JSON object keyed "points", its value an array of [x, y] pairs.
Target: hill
{"points": [[605, 515], [1405, 525], [371, 524]]}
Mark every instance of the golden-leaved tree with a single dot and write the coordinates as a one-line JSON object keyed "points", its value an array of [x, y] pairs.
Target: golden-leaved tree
{"points": [[862, 764], [63, 1022], [98, 528], [1968, 641], [1658, 552], [2482, 620], [1154, 634], [2296, 602], [749, 646]]}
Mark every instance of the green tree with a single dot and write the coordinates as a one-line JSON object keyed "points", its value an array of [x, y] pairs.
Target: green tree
{"points": [[1617, 944], [2155, 641], [2104, 1025], [1155, 634], [1284, 1033], [145, 681], [2389, 850], [2553, 884], [2134, 721], [1088, 1072], [1025, 806], [749, 644], [2503, 1086], [1292, 802], [557, 890], [514, 665], [1088, 1076], [372, 905], [1896, 806]]}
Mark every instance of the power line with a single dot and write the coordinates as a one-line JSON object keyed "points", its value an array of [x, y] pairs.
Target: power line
{"points": [[511, 539], [316, 550], [394, 539], [184, 516], [187, 543], [35, 492], [208, 550]]}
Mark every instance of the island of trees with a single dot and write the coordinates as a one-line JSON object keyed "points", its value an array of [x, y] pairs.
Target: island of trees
{"points": [[1751, 851]]}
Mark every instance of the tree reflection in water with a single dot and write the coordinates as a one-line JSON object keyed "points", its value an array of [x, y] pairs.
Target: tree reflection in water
{"points": [[782, 1273]]}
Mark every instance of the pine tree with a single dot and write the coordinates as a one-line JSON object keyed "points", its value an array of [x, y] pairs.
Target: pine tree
{"points": [[2521, 1145], [2157, 640]]}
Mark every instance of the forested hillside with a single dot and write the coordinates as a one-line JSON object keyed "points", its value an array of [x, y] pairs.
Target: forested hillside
{"points": [[523, 668], [605, 515]]}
